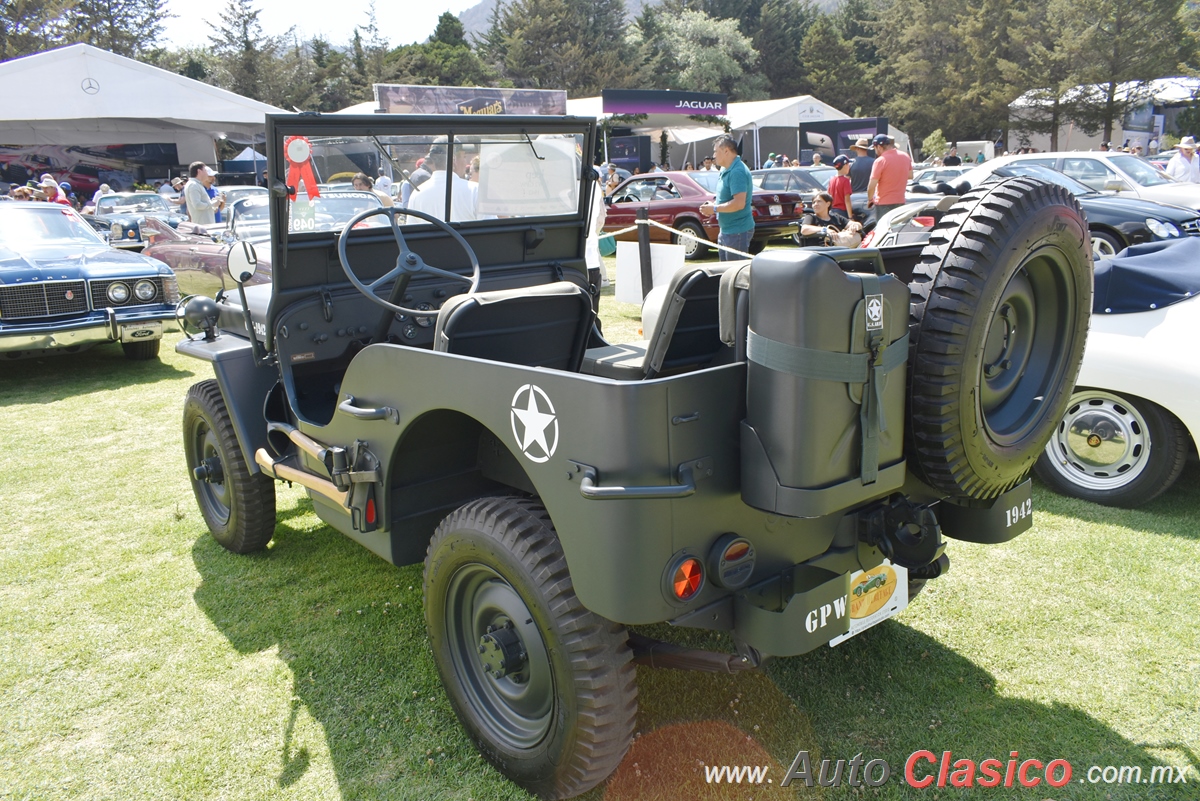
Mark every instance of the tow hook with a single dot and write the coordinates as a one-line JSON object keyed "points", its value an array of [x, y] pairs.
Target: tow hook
{"points": [[209, 471]]}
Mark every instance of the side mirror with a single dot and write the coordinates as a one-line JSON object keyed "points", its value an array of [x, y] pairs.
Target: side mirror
{"points": [[1115, 185], [241, 262]]}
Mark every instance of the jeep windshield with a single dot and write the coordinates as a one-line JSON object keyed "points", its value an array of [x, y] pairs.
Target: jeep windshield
{"points": [[456, 178]]}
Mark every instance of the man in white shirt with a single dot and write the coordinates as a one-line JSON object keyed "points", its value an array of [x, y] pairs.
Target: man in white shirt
{"points": [[384, 182], [431, 197], [201, 209], [1184, 166]]}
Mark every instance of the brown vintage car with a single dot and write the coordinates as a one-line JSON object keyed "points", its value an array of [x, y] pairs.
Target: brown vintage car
{"points": [[197, 253], [674, 199]]}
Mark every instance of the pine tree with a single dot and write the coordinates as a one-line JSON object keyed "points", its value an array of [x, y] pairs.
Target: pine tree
{"points": [[126, 27]]}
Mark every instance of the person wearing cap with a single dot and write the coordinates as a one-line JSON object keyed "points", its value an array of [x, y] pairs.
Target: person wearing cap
{"points": [[612, 180], [419, 175], [201, 209], [54, 193], [1184, 166], [770, 162], [860, 169], [1105, 147], [890, 175], [839, 185], [732, 205]]}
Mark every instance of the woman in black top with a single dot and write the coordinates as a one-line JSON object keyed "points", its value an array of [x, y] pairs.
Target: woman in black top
{"points": [[825, 219]]}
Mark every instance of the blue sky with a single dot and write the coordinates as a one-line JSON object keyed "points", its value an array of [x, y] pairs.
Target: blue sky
{"points": [[401, 22]]}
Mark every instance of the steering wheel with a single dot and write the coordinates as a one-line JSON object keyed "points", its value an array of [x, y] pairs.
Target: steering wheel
{"points": [[408, 263]]}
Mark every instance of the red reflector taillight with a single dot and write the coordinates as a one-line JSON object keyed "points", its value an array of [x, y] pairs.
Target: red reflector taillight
{"points": [[687, 579], [371, 511], [926, 222], [736, 551]]}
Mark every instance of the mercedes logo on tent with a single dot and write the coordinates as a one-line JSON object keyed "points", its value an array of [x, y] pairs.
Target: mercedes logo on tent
{"points": [[90, 85]]}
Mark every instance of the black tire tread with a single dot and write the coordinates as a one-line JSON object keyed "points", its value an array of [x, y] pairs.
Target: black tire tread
{"points": [[947, 283], [253, 518], [605, 677]]}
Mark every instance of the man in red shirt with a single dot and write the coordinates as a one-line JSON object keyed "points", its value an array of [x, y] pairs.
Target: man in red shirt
{"points": [[839, 185], [890, 174]]}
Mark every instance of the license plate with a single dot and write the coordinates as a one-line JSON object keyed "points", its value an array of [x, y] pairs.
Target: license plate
{"points": [[141, 331], [875, 595], [776, 210]]}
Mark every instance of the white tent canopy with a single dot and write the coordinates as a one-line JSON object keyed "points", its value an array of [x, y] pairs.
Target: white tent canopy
{"points": [[747, 117], [81, 95]]}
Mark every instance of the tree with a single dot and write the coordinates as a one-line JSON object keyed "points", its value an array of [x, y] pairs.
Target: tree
{"points": [[30, 26], [126, 27], [248, 62], [1050, 71], [778, 39], [830, 72], [934, 145], [577, 45], [714, 57], [1118, 47]]}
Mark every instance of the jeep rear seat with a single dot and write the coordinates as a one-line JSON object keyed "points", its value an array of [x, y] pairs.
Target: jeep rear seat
{"points": [[686, 330]]}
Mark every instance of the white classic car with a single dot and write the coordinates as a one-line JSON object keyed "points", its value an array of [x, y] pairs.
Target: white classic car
{"points": [[1135, 414]]}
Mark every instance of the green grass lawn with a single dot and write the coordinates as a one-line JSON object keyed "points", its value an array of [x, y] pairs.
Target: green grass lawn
{"points": [[139, 660]]}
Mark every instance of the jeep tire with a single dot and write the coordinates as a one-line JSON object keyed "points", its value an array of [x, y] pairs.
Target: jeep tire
{"points": [[545, 688], [238, 506], [1000, 305]]}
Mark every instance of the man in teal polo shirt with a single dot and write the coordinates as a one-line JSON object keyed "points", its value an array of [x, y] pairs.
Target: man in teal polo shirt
{"points": [[732, 206]]}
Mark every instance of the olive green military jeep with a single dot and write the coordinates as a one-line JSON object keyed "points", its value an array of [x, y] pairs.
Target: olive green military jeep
{"points": [[434, 375]]}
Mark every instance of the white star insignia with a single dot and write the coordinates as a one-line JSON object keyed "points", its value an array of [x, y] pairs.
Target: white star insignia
{"points": [[535, 423]]}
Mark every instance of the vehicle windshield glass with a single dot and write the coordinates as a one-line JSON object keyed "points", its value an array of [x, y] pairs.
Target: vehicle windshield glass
{"points": [[986, 174], [330, 211], [27, 224], [708, 179], [460, 179], [1145, 173], [135, 204]]}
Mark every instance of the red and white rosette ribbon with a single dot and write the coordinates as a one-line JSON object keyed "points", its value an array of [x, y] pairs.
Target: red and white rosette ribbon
{"points": [[298, 151]]}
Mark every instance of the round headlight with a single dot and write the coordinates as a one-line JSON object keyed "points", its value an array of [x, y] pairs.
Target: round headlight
{"points": [[118, 292], [1161, 229], [115, 229], [145, 290]]}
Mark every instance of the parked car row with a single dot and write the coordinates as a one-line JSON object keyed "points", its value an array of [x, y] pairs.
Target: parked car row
{"points": [[674, 199]]}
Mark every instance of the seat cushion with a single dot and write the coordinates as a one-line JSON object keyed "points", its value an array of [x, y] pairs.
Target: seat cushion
{"points": [[624, 362], [539, 326]]}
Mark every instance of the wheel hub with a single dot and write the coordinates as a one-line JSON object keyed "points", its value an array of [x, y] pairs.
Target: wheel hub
{"points": [[501, 651], [210, 471], [1102, 444], [1099, 438]]}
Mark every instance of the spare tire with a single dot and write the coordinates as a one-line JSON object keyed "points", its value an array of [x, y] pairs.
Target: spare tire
{"points": [[1000, 305]]}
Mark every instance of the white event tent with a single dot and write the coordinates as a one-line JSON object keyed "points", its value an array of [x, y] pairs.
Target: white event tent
{"points": [[81, 95], [770, 125]]}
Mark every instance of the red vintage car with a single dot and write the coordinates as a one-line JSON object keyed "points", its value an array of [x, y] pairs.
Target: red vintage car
{"points": [[674, 199]]}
